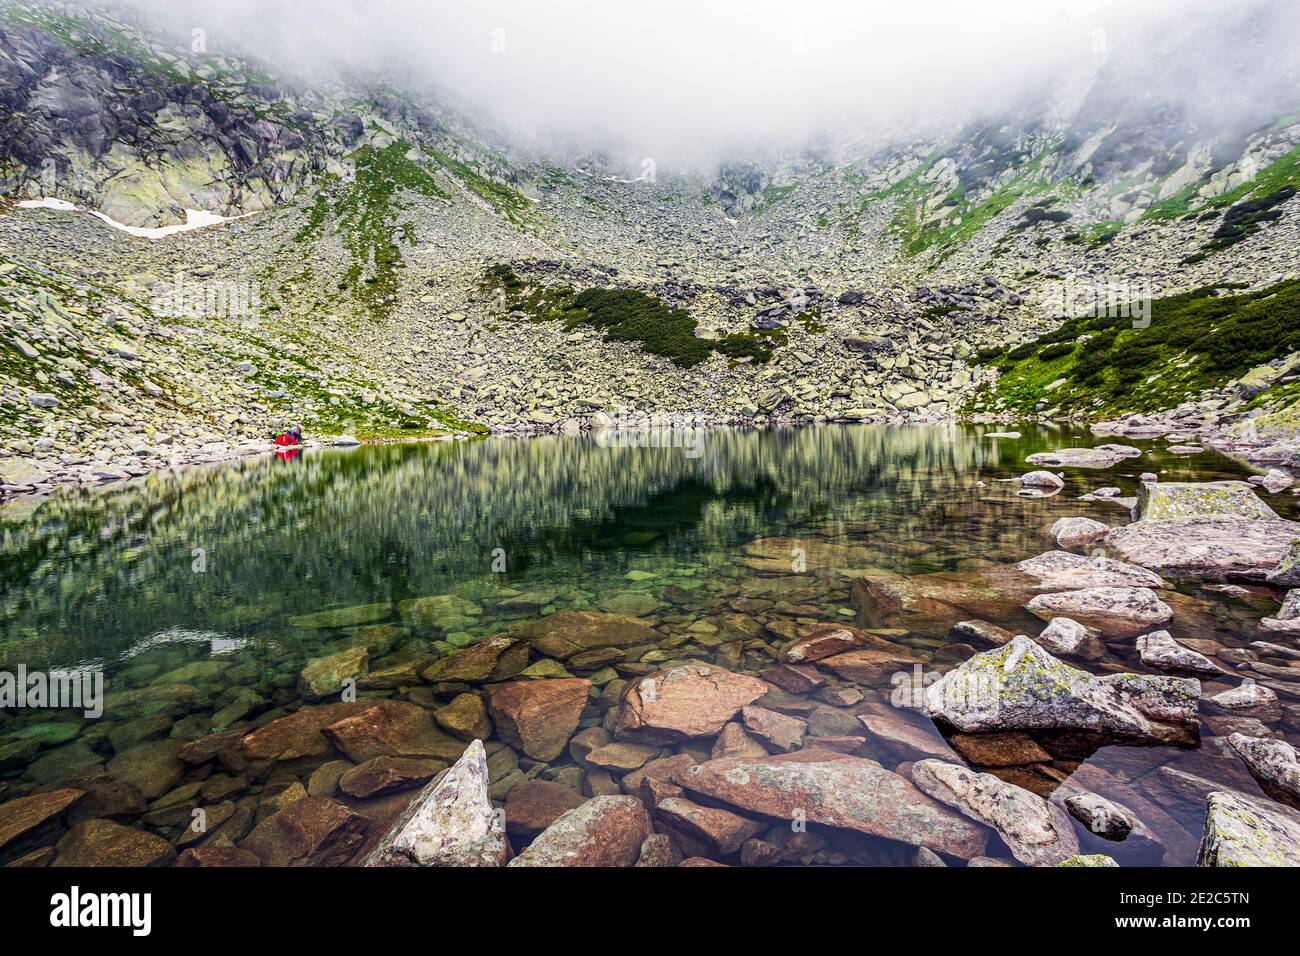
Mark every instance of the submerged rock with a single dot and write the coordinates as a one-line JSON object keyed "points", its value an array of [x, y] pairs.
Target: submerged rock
{"points": [[603, 831], [1240, 831], [392, 728], [105, 843], [450, 823], [343, 617], [1115, 612], [683, 703], [538, 716], [325, 676], [1023, 687], [311, 831], [566, 633], [1274, 763], [493, 658], [850, 793], [1037, 833], [704, 831], [825, 641], [27, 820], [286, 738], [534, 805]]}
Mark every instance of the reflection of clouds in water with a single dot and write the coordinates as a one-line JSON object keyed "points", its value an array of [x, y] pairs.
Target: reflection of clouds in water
{"points": [[217, 643]]}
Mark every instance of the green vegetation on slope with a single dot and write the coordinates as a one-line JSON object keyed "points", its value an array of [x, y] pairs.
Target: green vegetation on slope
{"points": [[366, 211], [1197, 340], [624, 315]]}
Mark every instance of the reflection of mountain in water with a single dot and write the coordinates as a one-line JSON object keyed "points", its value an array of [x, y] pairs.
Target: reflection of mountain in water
{"points": [[87, 573]]}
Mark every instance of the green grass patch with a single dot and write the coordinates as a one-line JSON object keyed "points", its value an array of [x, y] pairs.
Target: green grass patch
{"points": [[366, 212], [1197, 340], [624, 315]]}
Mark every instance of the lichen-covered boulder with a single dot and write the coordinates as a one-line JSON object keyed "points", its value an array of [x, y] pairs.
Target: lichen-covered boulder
{"points": [[1022, 687], [1179, 501], [1241, 831]]}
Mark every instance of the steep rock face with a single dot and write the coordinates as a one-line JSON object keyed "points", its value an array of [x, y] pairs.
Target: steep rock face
{"points": [[143, 131]]}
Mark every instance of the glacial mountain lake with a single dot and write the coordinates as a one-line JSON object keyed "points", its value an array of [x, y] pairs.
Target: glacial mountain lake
{"points": [[203, 595]]}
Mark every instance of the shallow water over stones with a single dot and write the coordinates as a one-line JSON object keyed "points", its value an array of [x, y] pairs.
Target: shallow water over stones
{"points": [[323, 638]]}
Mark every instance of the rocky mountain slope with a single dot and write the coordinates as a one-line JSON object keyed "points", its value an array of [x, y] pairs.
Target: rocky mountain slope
{"points": [[400, 272]]}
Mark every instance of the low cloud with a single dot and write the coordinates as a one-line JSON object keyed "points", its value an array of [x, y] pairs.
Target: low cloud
{"points": [[691, 81]]}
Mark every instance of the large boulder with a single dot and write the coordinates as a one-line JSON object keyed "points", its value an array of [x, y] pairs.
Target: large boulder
{"points": [[310, 831], [1241, 831], [603, 831], [835, 790], [1214, 528], [1115, 612], [1206, 547], [538, 716], [1037, 833], [1022, 687], [451, 823], [683, 703], [1179, 501], [1274, 763], [566, 633]]}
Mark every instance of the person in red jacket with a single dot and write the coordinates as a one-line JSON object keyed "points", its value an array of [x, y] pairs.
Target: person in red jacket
{"points": [[291, 437], [289, 444]]}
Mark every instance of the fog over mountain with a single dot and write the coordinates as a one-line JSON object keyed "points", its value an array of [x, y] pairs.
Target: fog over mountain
{"points": [[689, 83]]}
